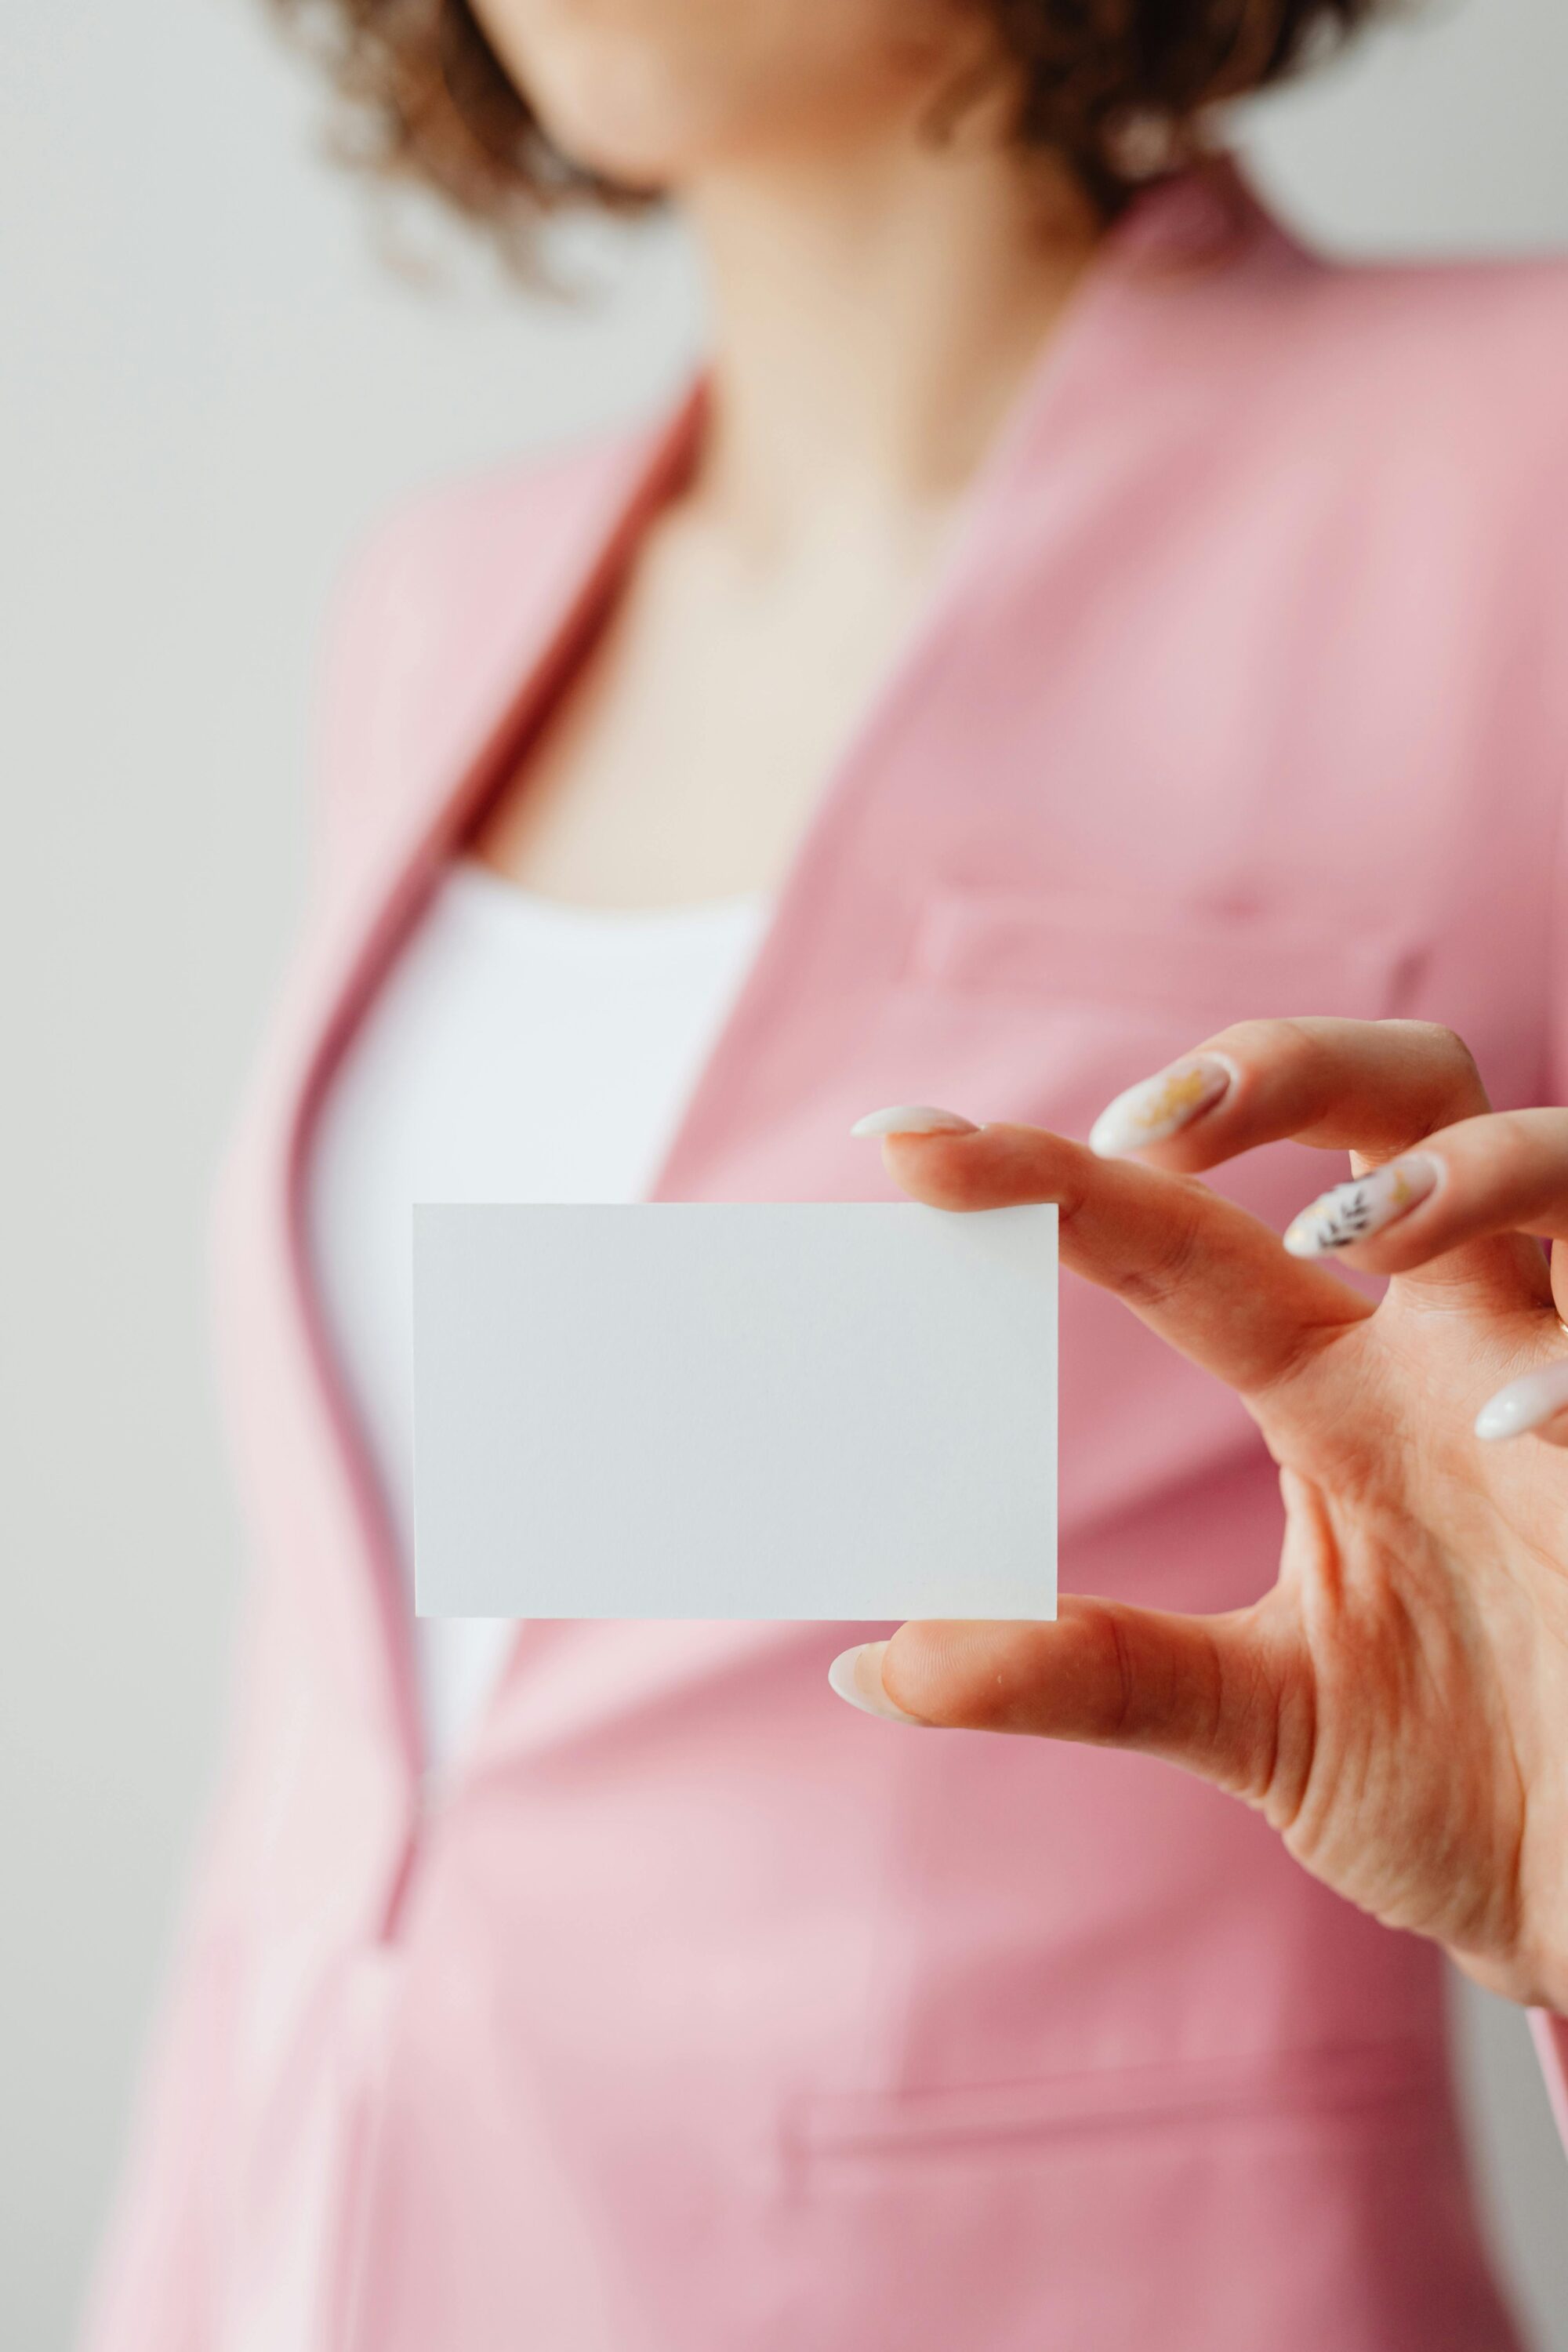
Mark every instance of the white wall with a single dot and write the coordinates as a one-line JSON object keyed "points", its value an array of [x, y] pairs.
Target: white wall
{"points": [[208, 388]]}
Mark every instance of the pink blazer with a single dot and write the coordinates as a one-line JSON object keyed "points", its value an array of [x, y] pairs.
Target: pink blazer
{"points": [[703, 2012]]}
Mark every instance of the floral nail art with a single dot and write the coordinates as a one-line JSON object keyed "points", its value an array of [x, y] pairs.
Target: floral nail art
{"points": [[1352, 1213], [1161, 1106]]}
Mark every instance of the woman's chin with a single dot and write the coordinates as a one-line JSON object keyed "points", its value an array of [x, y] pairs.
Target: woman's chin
{"points": [[625, 122], [636, 121]]}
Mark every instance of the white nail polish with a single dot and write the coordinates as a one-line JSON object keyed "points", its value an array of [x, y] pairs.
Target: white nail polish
{"points": [[914, 1119], [1352, 1213], [857, 1675], [1161, 1106], [1525, 1405]]}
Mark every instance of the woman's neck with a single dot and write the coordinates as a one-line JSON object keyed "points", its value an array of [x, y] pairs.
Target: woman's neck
{"points": [[874, 314]]}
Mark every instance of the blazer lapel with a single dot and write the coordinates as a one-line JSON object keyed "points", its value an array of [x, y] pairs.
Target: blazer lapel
{"points": [[468, 656]]}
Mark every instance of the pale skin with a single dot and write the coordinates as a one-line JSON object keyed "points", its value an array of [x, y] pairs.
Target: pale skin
{"points": [[876, 300], [1398, 1705]]}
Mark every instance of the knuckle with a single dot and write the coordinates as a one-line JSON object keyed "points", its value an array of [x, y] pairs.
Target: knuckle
{"points": [[1120, 1682], [1507, 1132], [1259, 1042], [1172, 1264], [1297, 1360], [1453, 1069], [1287, 1761], [1300, 1057]]}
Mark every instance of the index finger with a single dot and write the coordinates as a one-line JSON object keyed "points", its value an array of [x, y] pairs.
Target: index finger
{"points": [[1208, 1277]]}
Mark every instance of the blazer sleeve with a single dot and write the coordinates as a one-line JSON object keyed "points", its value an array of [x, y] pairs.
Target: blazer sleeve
{"points": [[150, 2290], [153, 2287]]}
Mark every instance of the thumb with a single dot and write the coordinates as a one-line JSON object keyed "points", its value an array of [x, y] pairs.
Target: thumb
{"points": [[1203, 1692]]}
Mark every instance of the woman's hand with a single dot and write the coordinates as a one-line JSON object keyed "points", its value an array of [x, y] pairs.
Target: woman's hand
{"points": [[1397, 1706]]}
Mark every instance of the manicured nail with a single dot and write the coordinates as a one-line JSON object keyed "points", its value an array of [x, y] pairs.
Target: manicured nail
{"points": [[914, 1119], [857, 1675], [1161, 1106], [1523, 1405], [1352, 1213]]}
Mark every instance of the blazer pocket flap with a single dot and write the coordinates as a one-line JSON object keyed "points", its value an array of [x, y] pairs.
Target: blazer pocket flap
{"points": [[1101, 953], [1344, 2081]]}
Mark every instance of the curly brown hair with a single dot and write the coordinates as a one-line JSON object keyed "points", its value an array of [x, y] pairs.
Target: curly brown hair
{"points": [[1118, 88]]}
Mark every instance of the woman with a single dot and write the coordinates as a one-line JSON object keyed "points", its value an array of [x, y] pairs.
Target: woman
{"points": [[1068, 622]]}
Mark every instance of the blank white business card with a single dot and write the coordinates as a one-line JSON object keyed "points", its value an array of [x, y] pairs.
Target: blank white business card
{"points": [[697, 1409]]}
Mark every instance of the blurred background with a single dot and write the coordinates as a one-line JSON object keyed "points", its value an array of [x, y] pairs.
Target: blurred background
{"points": [[211, 384]]}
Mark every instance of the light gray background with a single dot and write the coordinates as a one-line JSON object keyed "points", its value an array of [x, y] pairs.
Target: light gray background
{"points": [[208, 389]]}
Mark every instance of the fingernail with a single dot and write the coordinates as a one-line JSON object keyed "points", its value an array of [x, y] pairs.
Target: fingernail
{"points": [[1524, 1405], [914, 1119], [857, 1675], [1161, 1106], [1354, 1212]]}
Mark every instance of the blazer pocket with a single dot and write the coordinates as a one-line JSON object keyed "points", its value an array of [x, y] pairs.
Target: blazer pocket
{"points": [[1359, 2083], [1075, 951]]}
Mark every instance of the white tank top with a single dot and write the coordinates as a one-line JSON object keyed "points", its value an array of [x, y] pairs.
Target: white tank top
{"points": [[518, 1050]]}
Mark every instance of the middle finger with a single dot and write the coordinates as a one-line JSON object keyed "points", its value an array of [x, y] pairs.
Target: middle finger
{"points": [[1377, 1089], [1370, 1086]]}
